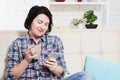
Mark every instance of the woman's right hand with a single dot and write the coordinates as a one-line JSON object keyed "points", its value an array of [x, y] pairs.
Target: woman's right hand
{"points": [[29, 56]]}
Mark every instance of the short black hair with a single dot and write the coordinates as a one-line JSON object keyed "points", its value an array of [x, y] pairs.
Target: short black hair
{"points": [[34, 12]]}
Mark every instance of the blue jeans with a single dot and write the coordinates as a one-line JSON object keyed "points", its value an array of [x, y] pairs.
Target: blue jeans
{"points": [[81, 76]]}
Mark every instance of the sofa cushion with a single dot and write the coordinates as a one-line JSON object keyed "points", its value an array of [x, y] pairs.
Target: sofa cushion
{"points": [[102, 70]]}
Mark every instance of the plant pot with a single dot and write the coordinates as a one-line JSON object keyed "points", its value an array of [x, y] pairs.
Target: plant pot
{"points": [[59, 0], [91, 26]]}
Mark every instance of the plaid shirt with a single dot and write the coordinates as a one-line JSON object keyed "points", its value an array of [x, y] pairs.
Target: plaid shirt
{"points": [[36, 69]]}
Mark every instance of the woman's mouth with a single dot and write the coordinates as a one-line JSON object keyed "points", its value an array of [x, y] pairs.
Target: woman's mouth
{"points": [[40, 30]]}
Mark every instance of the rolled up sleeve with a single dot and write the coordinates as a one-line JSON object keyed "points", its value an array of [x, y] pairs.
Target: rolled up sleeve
{"points": [[12, 61]]}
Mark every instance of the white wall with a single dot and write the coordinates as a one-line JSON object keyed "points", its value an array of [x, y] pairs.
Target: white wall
{"points": [[14, 12], [114, 14], [63, 15]]}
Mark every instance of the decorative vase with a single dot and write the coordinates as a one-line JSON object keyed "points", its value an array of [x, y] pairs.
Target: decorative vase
{"points": [[59, 0], [79, 0]]}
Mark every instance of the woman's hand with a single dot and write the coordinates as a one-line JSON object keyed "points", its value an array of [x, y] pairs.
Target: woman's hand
{"points": [[51, 63], [18, 70], [29, 54], [53, 66]]}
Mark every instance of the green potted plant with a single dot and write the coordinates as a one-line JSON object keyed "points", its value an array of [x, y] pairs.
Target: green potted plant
{"points": [[89, 18]]}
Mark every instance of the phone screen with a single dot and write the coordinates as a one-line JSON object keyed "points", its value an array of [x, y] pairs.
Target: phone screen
{"points": [[54, 55]]}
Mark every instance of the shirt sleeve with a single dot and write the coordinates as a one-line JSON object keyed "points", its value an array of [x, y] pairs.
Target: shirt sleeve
{"points": [[12, 60], [60, 49]]}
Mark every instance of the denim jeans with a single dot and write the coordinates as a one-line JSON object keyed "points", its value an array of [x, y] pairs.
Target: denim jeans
{"points": [[80, 76]]}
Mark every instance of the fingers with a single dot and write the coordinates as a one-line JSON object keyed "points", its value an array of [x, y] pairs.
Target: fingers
{"points": [[51, 62], [30, 53], [33, 56], [33, 50], [29, 47]]}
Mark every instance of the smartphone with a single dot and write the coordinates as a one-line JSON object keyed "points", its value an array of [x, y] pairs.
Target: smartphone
{"points": [[54, 55]]}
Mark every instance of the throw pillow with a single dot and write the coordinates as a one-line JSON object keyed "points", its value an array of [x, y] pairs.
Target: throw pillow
{"points": [[102, 70]]}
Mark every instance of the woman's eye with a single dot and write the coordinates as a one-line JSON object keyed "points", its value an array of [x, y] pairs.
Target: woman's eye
{"points": [[39, 22], [46, 24]]}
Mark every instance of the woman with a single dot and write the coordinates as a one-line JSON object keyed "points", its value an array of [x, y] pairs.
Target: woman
{"points": [[22, 62]]}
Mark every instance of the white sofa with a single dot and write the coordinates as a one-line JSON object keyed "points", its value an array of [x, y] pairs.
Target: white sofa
{"points": [[100, 43]]}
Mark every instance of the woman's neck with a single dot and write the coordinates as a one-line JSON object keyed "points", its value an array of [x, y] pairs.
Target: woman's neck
{"points": [[34, 37]]}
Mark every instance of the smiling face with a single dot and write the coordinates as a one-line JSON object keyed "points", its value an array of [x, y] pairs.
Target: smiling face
{"points": [[39, 26]]}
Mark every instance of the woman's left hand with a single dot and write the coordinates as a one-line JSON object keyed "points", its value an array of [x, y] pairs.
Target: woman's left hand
{"points": [[51, 63]]}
